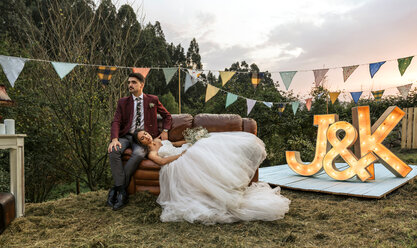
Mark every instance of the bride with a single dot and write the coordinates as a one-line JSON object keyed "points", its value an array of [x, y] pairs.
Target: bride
{"points": [[208, 181]]}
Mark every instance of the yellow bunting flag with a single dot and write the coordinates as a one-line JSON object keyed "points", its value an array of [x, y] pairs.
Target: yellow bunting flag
{"points": [[256, 78], [143, 71], [211, 91], [334, 96], [105, 73], [226, 76]]}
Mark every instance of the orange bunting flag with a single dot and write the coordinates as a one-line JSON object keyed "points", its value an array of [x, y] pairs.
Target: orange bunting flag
{"points": [[211, 91], [334, 96], [308, 103], [143, 71]]}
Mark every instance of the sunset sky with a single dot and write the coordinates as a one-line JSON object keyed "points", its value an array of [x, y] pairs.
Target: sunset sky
{"points": [[298, 35]]}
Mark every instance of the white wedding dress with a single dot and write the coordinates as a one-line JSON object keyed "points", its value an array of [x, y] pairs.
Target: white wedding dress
{"points": [[209, 183]]}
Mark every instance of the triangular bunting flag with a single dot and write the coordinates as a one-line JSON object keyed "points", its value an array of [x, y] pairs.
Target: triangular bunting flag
{"points": [[378, 95], [287, 77], [12, 66], [169, 73], [63, 68], [404, 89], [356, 96], [319, 95], [105, 73], [348, 70], [403, 64], [226, 76], [250, 103], [143, 71], [334, 96], [295, 106], [374, 67], [231, 98], [256, 78], [189, 81], [281, 108], [268, 104], [308, 103], [195, 74], [211, 91], [319, 76]]}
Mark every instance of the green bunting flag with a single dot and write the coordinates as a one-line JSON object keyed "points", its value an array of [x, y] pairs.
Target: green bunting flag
{"points": [[295, 106], [231, 98], [287, 77], [62, 69], [378, 95], [404, 63], [169, 73]]}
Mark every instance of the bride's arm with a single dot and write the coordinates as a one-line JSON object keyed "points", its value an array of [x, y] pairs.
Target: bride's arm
{"points": [[162, 161], [178, 143]]}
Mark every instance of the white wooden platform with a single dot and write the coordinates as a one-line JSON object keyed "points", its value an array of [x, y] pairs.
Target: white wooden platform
{"points": [[384, 183]]}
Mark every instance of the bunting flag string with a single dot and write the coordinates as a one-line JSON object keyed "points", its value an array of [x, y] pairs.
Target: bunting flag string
{"points": [[231, 98], [334, 96], [319, 76], [226, 76], [169, 73], [143, 71], [356, 96], [378, 95], [211, 91], [287, 77], [105, 73], [12, 66], [348, 70], [295, 106], [374, 67], [404, 90], [403, 63], [250, 103], [62, 69]]}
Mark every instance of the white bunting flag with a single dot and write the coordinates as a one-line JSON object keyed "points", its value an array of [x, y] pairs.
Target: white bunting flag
{"points": [[63, 68], [250, 103], [404, 89], [319, 76], [12, 66], [268, 104]]}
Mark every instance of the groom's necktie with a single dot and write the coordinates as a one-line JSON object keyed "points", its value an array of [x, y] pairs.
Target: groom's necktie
{"points": [[138, 113]]}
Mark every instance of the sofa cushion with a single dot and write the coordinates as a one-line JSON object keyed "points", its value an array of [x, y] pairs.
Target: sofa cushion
{"points": [[219, 122], [250, 126], [180, 122]]}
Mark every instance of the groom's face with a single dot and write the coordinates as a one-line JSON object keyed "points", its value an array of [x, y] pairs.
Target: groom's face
{"points": [[135, 86]]}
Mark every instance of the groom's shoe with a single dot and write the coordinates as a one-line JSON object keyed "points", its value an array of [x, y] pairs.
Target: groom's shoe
{"points": [[112, 197], [122, 200]]}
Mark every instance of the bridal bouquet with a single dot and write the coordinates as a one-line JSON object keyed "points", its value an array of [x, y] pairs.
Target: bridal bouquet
{"points": [[192, 135]]}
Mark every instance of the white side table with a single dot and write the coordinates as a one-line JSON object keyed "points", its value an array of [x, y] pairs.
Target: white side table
{"points": [[15, 144]]}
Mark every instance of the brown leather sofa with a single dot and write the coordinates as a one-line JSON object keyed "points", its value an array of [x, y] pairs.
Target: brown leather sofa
{"points": [[146, 177]]}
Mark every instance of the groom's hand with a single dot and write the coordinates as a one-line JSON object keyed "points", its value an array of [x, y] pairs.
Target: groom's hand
{"points": [[114, 144], [163, 135]]}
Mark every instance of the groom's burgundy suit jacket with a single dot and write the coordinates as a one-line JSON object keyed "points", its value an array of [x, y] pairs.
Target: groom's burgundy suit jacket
{"points": [[151, 106]]}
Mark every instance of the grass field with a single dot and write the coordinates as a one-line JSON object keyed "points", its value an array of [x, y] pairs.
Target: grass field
{"points": [[314, 220]]}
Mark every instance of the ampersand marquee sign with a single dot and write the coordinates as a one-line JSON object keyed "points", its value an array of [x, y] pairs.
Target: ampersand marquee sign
{"points": [[367, 146]]}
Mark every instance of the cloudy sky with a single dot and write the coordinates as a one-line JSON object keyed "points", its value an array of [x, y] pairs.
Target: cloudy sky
{"points": [[284, 35]]}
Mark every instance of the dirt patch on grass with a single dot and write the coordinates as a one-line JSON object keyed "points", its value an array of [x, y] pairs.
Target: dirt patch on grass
{"points": [[314, 220]]}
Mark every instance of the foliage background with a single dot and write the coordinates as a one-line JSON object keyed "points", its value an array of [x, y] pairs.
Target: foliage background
{"points": [[68, 121]]}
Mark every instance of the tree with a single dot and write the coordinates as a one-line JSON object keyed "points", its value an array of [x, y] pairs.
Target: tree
{"points": [[193, 56]]}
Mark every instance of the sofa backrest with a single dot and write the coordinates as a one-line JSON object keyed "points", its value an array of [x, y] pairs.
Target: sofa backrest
{"points": [[212, 122]]}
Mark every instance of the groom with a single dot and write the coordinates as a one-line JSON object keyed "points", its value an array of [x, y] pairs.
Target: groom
{"points": [[138, 111]]}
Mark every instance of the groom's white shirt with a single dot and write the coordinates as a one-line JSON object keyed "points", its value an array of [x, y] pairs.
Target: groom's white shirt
{"points": [[142, 124]]}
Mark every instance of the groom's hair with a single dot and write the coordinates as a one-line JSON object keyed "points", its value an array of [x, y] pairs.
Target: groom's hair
{"points": [[138, 76]]}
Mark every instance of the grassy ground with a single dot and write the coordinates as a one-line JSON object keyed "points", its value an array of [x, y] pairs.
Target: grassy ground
{"points": [[314, 220]]}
